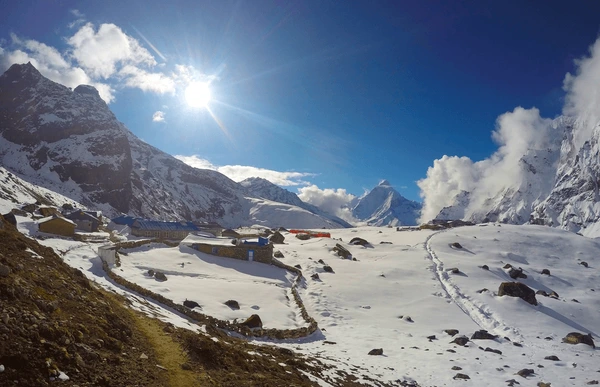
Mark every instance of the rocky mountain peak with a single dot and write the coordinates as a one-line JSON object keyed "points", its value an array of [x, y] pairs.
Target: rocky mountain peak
{"points": [[383, 205], [87, 90], [384, 183]]}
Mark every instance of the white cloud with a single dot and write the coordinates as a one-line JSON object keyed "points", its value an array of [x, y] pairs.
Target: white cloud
{"points": [[158, 116], [516, 133], [100, 52], [241, 172], [80, 18], [51, 64], [333, 201], [583, 98], [135, 77]]}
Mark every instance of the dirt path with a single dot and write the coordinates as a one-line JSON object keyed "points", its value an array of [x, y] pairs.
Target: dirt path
{"points": [[170, 355]]}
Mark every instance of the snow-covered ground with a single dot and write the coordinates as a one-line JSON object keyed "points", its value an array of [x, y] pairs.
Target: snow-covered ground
{"points": [[359, 306]]}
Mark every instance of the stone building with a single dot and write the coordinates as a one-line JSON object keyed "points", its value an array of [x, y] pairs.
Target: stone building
{"points": [[247, 250]]}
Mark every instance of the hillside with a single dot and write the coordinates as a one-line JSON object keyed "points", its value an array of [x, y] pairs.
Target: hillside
{"points": [[69, 142]]}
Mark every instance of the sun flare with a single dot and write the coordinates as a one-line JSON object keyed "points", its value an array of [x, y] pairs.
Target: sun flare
{"points": [[197, 94]]}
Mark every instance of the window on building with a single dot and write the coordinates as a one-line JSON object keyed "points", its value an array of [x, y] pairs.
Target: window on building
{"points": [[215, 250]]}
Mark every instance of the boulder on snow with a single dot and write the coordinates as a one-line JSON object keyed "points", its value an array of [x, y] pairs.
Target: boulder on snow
{"points": [[191, 304], [461, 340], [376, 352], [342, 251], [233, 304], [517, 289], [328, 269], [151, 273], [278, 254], [303, 237], [546, 272], [315, 276], [456, 245], [253, 321], [359, 241], [159, 275], [483, 335], [516, 273], [277, 238], [451, 332], [577, 338]]}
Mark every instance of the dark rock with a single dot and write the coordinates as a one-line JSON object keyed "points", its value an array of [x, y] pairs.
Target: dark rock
{"points": [[277, 238], [451, 332], [286, 351], [517, 344], [303, 237], [575, 300], [160, 276], [4, 271], [385, 243], [451, 351], [253, 321], [191, 304], [483, 335], [233, 304], [432, 337], [456, 368], [552, 357], [456, 245], [376, 352], [546, 272], [461, 340], [525, 372], [186, 367], [461, 376], [359, 241], [454, 270], [321, 261], [298, 266], [577, 338], [342, 251], [483, 290], [592, 382], [278, 254], [328, 269], [507, 266], [584, 264], [485, 267], [151, 273], [542, 293], [517, 289], [553, 294], [512, 382], [488, 349], [516, 273], [542, 384]]}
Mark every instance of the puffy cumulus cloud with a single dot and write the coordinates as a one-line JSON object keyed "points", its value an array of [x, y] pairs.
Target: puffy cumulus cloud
{"points": [[99, 52], [583, 99], [104, 57], [333, 201], [135, 77], [158, 116], [516, 133], [241, 172], [52, 64]]}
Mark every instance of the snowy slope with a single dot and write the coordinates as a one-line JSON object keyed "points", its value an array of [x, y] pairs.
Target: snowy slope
{"points": [[15, 192], [262, 188], [358, 306], [383, 205]]}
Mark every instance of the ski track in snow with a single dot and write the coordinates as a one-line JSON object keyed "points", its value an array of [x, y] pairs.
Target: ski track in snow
{"points": [[478, 312]]}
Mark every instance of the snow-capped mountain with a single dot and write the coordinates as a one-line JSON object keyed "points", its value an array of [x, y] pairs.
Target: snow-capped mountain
{"points": [[263, 188], [556, 186], [69, 142], [383, 205]]}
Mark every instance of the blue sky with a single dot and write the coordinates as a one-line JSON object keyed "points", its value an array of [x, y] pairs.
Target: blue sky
{"points": [[319, 94]]}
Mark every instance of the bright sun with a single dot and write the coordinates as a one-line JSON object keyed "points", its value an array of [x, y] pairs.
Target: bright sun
{"points": [[197, 94]]}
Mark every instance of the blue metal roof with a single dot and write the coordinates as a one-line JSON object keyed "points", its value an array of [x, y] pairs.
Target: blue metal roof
{"points": [[124, 219], [164, 226]]}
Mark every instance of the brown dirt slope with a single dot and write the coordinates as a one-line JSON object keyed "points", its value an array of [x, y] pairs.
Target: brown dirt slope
{"points": [[51, 320]]}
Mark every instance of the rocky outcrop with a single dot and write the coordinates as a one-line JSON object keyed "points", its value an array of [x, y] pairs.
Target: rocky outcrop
{"points": [[517, 289]]}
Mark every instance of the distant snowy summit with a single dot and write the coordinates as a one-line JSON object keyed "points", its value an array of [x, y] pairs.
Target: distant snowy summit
{"points": [[384, 206]]}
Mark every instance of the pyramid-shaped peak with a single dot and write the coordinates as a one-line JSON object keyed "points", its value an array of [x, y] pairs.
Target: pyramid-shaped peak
{"points": [[23, 69], [384, 182]]}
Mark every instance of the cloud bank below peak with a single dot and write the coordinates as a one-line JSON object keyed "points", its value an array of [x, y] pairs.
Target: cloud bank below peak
{"points": [[238, 173]]}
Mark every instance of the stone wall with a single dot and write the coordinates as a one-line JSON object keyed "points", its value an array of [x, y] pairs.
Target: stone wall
{"points": [[263, 254], [211, 322]]}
